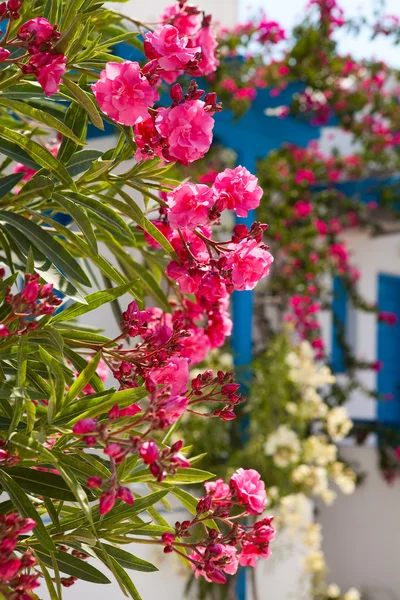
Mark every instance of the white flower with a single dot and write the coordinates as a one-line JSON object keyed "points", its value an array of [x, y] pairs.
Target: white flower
{"points": [[315, 562], [316, 450], [313, 536], [328, 496], [352, 594], [292, 511], [304, 370], [284, 446], [338, 423], [333, 591]]}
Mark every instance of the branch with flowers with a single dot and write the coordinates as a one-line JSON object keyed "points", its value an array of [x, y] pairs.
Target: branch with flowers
{"points": [[306, 192], [85, 464]]}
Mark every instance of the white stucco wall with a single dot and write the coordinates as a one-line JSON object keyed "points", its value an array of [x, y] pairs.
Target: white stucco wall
{"points": [[361, 532], [223, 11]]}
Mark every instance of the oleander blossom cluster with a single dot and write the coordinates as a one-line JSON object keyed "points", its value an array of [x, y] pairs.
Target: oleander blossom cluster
{"points": [[24, 308], [127, 92], [152, 355], [17, 577], [220, 552], [38, 37]]}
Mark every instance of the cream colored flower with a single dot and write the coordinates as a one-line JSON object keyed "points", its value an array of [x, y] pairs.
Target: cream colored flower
{"points": [[284, 446], [316, 450], [328, 496], [313, 536], [338, 423], [315, 562], [305, 371], [333, 591], [352, 594], [292, 511]]}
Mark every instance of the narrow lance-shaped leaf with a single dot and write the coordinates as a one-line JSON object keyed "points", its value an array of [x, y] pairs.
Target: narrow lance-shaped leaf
{"points": [[39, 154], [85, 101], [71, 565], [93, 301], [22, 503], [40, 116], [56, 253], [83, 380], [81, 219]]}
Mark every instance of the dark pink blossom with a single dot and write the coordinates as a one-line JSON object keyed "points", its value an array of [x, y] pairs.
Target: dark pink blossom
{"points": [[123, 93]]}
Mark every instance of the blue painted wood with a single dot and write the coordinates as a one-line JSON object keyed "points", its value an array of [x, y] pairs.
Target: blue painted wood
{"points": [[389, 350], [339, 312]]}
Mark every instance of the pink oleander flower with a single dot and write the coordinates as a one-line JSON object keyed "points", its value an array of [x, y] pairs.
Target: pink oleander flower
{"points": [[188, 283], [302, 209], [220, 492], [9, 568], [249, 490], [189, 205], [170, 409], [183, 17], [211, 289], [36, 31], [187, 129], [387, 317], [304, 176], [169, 48], [207, 40], [175, 375], [249, 262], [28, 171], [219, 328], [223, 560], [250, 554], [196, 347], [237, 190], [49, 69], [123, 93]]}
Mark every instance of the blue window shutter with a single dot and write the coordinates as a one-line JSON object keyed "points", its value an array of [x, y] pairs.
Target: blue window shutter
{"points": [[339, 322], [388, 350]]}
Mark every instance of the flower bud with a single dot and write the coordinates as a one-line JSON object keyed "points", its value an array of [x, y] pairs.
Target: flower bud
{"points": [[125, 495], [30, 292], [148, 452], [168, 538], [107, 501], [176, 92], [85, 426], [4, 331], [4, 55], [94, 482]]}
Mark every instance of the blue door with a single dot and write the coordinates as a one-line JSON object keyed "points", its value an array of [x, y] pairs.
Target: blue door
{"points": [[389, 350]]}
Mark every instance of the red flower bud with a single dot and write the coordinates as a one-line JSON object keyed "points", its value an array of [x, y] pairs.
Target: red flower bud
{"points": [[30, 292], [148, 452], [85, 426], [4, 331], [94, 482], [168, 538], [176, 92], [4, 55], [125, 495], [107, 501]]}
